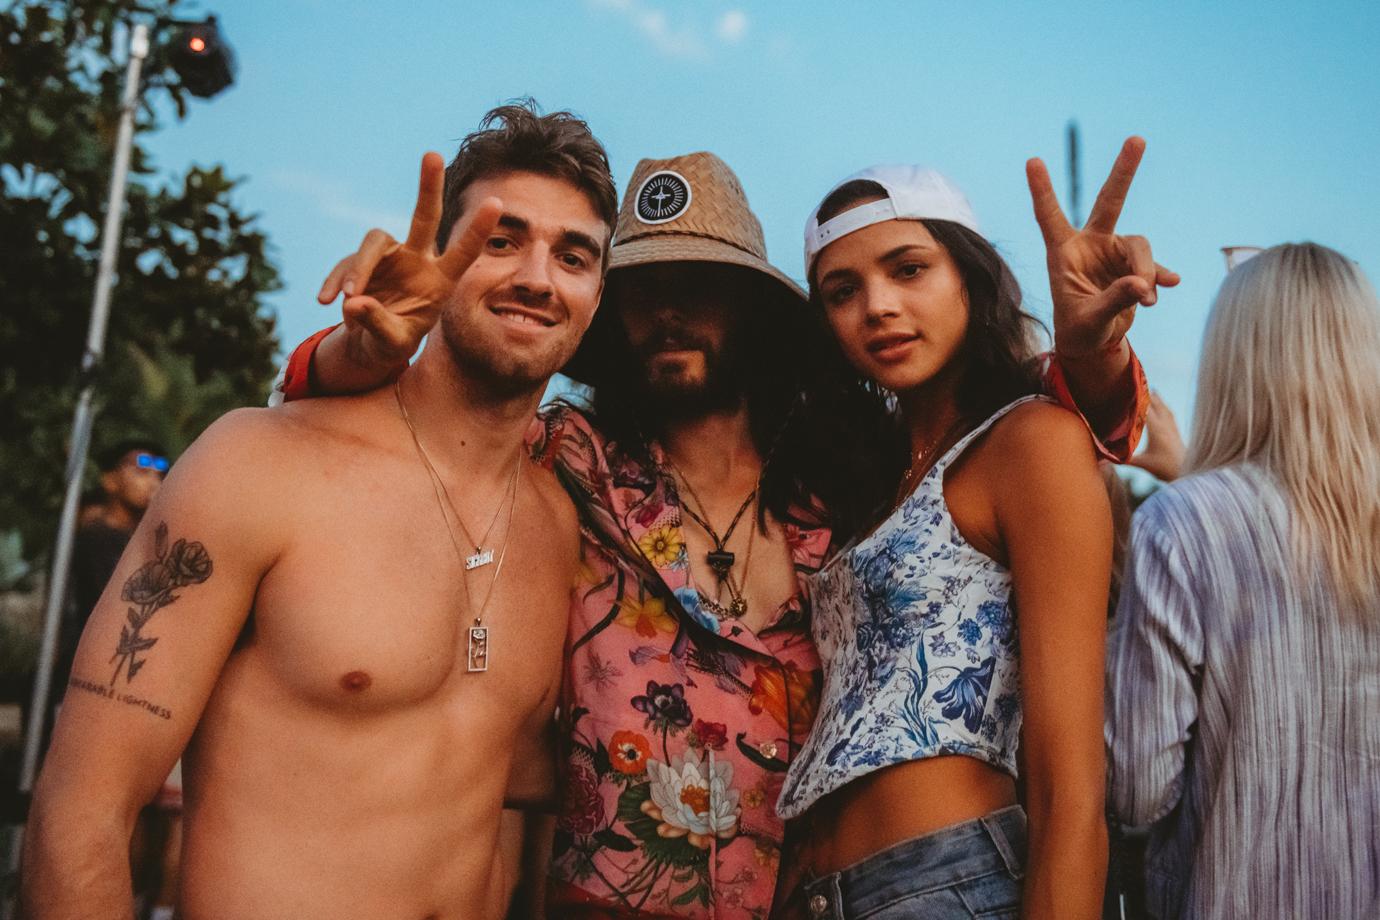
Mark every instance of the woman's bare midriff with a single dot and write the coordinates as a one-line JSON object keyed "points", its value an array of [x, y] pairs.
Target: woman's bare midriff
{"points": [[896, 804]]}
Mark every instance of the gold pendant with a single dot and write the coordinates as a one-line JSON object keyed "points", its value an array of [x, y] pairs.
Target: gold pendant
{"points": [[479, 649], [737, 608]]}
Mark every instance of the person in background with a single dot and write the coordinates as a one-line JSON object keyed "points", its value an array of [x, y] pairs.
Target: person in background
{"points": [[131, 472], [1244, 663], [1163, 456]]}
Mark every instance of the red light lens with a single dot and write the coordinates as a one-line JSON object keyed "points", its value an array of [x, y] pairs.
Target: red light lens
{"points": [[197, 44]]}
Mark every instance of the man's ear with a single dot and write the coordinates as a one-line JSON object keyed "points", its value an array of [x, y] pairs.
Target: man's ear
{"points": [[110, 482]]}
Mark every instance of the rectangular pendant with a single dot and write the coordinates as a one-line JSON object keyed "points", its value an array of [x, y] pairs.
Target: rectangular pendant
{"points": [[483, 557], [479, 649]]}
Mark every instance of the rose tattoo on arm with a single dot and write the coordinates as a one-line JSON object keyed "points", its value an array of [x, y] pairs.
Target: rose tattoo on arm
{"points": [[149, 590]]}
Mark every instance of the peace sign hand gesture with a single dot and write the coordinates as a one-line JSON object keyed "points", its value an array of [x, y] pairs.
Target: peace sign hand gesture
{"points": [[394, 291], [1096, 278]]}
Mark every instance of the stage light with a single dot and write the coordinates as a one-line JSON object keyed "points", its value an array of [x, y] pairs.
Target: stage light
{"points": [[201, 58]]}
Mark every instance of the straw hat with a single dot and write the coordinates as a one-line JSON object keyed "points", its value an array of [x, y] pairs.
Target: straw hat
{"points": [[688, 208]]}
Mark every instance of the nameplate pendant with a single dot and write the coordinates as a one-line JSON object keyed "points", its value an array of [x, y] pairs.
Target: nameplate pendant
{"points": [[483, 557], [479, 649]]}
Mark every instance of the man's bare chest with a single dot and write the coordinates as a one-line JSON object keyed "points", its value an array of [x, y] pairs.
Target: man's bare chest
{"points": [[371, 607]]}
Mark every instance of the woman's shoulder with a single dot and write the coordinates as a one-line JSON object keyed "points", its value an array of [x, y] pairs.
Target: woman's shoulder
{"points": [[1038, 434], [1034, 459], [1217, 499]]}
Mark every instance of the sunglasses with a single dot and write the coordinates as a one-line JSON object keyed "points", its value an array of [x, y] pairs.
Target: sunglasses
{"points": [[1236, 255], [151, 462]]}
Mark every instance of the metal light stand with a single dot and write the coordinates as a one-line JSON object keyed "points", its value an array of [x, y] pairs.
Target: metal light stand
{"points": [[81, 433]]}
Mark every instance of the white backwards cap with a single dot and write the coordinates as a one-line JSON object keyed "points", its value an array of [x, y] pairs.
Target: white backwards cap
{"points": [[913, 193]]}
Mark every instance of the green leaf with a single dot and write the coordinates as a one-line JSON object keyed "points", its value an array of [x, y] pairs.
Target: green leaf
{"points": [[602, 765], [772, 764], [673, 851], [699, 893], [614, 841]]}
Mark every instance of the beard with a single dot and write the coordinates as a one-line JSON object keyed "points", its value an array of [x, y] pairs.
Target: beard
{"points": [[503, 370], [672, 394]]}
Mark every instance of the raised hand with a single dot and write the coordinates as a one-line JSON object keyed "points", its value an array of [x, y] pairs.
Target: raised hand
{"points": [[1163, 456], [394, 291], [1096, 278]]}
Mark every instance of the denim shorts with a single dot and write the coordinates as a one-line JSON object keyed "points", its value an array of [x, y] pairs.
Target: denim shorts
{"points": [[973, 869]]}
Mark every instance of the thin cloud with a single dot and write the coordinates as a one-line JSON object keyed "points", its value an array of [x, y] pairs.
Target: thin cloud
{"points": [[332, 200], [732, 27], [656, 27]]}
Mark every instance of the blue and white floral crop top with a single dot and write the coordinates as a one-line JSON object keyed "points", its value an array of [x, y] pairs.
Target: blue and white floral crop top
{"points": [[918, 640]]}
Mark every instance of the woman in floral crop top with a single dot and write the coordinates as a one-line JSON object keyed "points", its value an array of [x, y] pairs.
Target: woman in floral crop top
{"points": [[997, 538]]}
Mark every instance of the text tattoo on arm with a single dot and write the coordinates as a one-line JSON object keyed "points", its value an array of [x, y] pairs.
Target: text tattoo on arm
{"points": [[149, 590]]}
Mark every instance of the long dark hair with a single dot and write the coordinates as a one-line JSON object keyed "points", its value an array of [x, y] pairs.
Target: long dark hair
{"points": [[776, 350], [866, 443]]}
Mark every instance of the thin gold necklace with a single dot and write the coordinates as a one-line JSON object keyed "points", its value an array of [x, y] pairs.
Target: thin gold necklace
{"points": [[477, 656], [480, 556], [737, 606], [920, 460]]}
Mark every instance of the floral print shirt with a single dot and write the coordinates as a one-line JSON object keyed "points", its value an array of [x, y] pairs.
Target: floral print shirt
{"points": [[918, 639], [679, 727]]}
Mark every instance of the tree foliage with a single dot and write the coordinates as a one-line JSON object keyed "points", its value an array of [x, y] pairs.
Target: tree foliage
{"points": [[189, 335]]}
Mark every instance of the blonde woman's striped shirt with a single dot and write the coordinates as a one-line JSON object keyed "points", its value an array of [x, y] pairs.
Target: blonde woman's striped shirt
{"points": [[1243, 716]]}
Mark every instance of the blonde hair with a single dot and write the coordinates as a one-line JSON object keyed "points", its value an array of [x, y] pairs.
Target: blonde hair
{"points": [[1289, 381]]}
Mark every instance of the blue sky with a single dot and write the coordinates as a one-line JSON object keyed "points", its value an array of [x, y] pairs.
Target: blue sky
{"points": [[1261, 117]]}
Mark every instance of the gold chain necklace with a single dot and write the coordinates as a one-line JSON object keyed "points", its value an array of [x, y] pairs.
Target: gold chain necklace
{"points": [[480, 556], [719, 558], [737, 607], [920, 460], [477, 654]]}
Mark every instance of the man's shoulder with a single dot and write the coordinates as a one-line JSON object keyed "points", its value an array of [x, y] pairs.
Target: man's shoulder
{"points": [[555, 502], [313, 424], [255, 432], [260, 445]]}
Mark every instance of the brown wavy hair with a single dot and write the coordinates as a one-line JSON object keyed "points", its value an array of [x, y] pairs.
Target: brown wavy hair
{"points": [[517, 137], [867, 444]]}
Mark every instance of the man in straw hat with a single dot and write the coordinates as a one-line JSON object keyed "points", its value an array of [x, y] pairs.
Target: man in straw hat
{"points": [[353, 609], [690, 676]]}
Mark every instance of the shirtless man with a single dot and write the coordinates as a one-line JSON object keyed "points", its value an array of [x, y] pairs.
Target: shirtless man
{"points": [[298, 604]]}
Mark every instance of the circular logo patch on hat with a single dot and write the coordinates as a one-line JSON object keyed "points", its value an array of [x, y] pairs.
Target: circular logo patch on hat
{"points": [[663, 196]]}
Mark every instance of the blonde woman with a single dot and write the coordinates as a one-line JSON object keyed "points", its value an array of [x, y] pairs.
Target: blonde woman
{"points": [[1244, 675]]}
